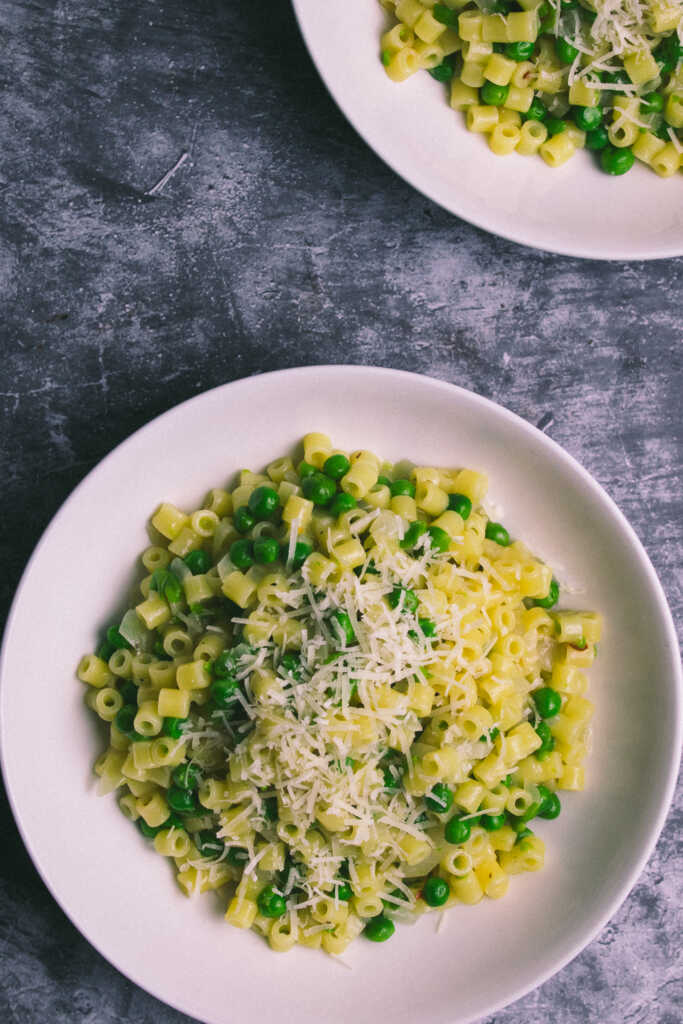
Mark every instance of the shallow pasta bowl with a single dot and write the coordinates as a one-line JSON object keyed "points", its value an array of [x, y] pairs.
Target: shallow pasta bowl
{"points": [[122, 896], [576, 209]]}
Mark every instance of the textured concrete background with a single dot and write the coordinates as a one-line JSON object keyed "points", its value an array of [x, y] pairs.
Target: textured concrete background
{"points": [[281, 241]]}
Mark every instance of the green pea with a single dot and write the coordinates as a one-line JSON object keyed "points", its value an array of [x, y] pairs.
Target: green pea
{"points": [[461, 504], [343, 891], [302, 550], [223, 693], [118, 642], [399, 487], [661, 130], [291, 665], [551, 806], [105, 650], [124, 719], [266, 550], [412, 535], [319, 489], [668, 53], [493, 95], [442, 72], [237, 856], [523, 834], [615, 78], [386, 57], [262, 502], [651, 103], [492, 822], [187, 775], [243, 519], [209, 845], [597, 139], [548, 701], [547, 741], [242, 554], [270, 808], [440, 541], [551, 598], [435, 892], [410, 600], [587, 118], [383, 481], [270, 903], [341, 503], [224, 664], [616, 161], [198, 562], [457, 831], [565, 51], [379, 929], [389, 905], [445, 15], [173, 727], [167, 584], [556, 125], [181, 800], [306, 469], [497, 533], [129, 692], [336, 467], [519, 51], [342, 626], [149, 831], [537, 111], [440, 798]]}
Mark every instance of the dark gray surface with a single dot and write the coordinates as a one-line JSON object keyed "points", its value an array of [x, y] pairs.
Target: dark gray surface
{"points": [[282, 241]]}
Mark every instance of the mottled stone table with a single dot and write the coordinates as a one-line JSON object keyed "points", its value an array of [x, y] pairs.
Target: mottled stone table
{"points": [[283, 240]]}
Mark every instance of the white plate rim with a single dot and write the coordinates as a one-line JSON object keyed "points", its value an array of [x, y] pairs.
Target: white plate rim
{"points": [[450, 203], [387, 374]]}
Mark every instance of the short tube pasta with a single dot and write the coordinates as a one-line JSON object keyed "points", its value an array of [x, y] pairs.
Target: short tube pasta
{"points": [[596, 80], [353, 706]]}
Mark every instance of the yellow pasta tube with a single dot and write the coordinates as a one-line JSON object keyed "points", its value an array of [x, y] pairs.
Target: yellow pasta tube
{"points": [[94, 671], [462, 95], [557, 149], [481, 119], [169, 520], [504, 139], [667, 161]]}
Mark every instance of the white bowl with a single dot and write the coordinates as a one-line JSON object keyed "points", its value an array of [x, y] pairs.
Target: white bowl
{"points": [[576, 210], [122, 896]]}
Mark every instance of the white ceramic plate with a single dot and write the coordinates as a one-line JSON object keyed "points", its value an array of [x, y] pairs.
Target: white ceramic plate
{"points": [[576, 210], [122, 896]]}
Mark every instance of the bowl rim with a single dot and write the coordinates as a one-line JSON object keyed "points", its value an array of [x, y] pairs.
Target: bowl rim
{"points": [[384, 375], [523, 237]]}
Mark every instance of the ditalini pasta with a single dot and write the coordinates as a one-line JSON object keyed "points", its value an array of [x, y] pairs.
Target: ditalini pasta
{"points": [[553, 76], [342, 696]]}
